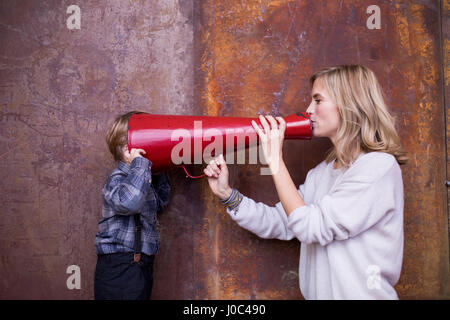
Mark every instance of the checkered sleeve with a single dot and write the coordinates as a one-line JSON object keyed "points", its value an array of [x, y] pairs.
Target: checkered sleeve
{"points": [[126, 194]]}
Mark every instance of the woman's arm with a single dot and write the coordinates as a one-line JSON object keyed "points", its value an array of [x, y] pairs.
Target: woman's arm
{"points": [[272, 144], [263, 220], [372, 189], [287, 192]]}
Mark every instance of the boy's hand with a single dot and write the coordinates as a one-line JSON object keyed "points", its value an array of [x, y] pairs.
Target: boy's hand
{"points": [[134, 153]]}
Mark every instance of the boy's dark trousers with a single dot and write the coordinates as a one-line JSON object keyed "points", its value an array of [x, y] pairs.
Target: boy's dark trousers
{"points": [[118, 277]]}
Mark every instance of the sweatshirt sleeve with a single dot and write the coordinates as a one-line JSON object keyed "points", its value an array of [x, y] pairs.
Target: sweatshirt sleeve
{"points": [[264, 221], [126, 195], [365, 195]]}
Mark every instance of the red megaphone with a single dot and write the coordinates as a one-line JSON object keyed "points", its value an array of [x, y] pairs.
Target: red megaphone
{"points": [[172, 140]]}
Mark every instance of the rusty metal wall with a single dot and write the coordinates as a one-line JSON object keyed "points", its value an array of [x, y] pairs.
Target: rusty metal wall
{"points": [[445, 44], [60, 89]]}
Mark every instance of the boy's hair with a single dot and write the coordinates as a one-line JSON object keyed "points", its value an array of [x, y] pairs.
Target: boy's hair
{"points": [[366, 123], [116, 137]]}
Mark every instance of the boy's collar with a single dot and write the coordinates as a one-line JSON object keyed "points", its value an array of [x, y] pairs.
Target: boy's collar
{"points": [[124, 167]]}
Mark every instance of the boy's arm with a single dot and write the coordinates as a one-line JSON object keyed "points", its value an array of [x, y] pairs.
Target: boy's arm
{"points": [[126, 195], [161, 186]]}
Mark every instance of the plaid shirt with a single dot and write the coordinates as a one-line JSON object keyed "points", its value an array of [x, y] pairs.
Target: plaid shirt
{"points": [[128, 191]]}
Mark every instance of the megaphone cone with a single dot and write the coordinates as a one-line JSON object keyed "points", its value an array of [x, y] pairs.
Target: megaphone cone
{"points": [[175, 140]]}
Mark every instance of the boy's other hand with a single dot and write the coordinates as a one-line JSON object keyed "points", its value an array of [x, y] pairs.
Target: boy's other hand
{"points": [[133, 153]]}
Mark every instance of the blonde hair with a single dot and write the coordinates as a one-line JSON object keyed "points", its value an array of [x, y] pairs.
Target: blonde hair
{"points": [[117, 135], [366, 124]]}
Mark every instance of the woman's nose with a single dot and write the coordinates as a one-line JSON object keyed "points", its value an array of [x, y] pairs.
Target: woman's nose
{"points": [[310, 109]]}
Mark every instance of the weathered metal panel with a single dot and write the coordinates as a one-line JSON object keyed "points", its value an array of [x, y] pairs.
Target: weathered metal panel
{"points": [[257, 56], [60, 89]]}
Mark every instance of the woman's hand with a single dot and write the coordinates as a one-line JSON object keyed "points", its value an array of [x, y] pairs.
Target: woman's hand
{"points": [[271, 140], [217, 172]]}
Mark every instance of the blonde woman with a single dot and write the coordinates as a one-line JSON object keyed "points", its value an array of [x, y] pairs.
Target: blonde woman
{"points": [[348, 214]]}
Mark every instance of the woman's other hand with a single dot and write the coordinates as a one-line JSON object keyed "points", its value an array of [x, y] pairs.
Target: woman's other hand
{"points": [[218, 175], [271, 139]]}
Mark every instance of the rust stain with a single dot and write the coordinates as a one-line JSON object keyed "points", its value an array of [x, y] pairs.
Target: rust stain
{"points": [[258, 59], [402, 27], [446, 61], [426, 148], [242, 76]]}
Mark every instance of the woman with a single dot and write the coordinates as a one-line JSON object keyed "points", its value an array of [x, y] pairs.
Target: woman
{"points": [[348, 215]]}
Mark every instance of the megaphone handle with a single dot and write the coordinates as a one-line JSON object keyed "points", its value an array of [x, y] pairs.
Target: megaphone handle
{"points": [[193, 177]]}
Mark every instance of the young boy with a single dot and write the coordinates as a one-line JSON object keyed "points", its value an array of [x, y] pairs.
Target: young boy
{"points": [[128, 236]]}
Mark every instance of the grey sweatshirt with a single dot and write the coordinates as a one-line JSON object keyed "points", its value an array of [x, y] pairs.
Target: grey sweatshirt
{"points": [[351, 229]]}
